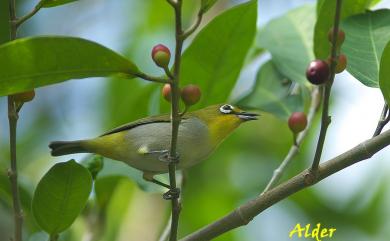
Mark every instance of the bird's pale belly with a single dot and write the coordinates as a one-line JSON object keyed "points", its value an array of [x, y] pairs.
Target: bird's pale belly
{"points": [[146, 153]]}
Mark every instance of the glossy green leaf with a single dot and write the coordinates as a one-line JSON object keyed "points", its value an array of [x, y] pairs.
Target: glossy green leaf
{"points": [[38, 61], [289, 39], [205, 5], [271, 93], [367, 35], [214, 59], [325, 20], [61, 195], [384, 73], [319, 6], [55, 3]]}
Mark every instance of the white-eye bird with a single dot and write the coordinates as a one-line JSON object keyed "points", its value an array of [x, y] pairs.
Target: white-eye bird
{"points": [[144, 143]]}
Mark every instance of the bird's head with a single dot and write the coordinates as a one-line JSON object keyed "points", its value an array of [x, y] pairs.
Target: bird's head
{"points": [[223, 119]]}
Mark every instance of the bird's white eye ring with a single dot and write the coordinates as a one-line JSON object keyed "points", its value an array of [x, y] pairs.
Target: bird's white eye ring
{"points": [[226, 109]]}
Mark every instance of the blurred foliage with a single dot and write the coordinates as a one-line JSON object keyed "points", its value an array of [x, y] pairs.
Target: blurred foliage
{"points": [[118, 210], [288, 37], [369, 31], [272, 93], [325, 18]]}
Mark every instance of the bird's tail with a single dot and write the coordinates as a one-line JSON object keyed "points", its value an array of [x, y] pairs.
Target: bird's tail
{"points": [[59, 148]]}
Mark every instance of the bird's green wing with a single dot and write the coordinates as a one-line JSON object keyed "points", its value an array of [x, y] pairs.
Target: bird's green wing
{"points": [[143, 121]]}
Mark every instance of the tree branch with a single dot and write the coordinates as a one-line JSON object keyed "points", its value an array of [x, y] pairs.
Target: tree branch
{"points": [[277, 174], [246, 212], [326, 119]]}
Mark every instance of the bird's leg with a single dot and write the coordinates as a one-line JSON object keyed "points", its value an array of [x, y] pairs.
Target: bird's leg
{"points": [[149, 177], [163, 155]]}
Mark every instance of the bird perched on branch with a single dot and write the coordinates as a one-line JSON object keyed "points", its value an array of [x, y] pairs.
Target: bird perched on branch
{"points": [[144, 144]]}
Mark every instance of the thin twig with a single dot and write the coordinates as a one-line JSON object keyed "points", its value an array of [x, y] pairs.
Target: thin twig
{"points": [[13, 171], [30, 14], [175, 117], [167, 230], [383, 120], [245, 213], [13, 120], [277, 174], [326, 119]]}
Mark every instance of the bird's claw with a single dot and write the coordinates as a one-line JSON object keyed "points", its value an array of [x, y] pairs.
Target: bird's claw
{"points": [[172, 194], [166, 157]]}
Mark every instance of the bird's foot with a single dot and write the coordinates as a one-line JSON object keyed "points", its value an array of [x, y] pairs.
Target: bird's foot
{"points": [[172, 194], [168, 158]]}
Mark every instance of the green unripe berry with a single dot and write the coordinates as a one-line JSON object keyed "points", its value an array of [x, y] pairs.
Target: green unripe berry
{"points": [[297, 122], [161, 55], [190, 94]]}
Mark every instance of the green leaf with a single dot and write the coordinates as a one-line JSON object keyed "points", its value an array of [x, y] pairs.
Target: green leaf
{"points": [[384, 73], [61, 195], [325, 20], [366, 36], [120, 201], [289, 39], [214, 59], [55, 3], [205, 5], [271, 93], [38, 61]]}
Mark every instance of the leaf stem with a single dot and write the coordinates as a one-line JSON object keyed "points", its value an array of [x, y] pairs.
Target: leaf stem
{"points": [[383, 120], [193, 28], [152, 78], [30, 14], [53, 237], [277, 174], [326, 119]]}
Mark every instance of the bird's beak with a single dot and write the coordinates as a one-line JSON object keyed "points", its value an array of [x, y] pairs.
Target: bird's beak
{"points": [[246, 116]]}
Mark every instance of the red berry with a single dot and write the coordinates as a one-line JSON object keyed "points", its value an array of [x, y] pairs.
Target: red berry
{"points": [[161, 55], [24, 96], [340, 37], [166, 92], [190, 94], [297, 122], [317, 72]]}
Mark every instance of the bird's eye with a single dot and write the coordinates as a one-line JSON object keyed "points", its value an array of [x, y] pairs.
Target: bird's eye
{"points": [[226, 109]]}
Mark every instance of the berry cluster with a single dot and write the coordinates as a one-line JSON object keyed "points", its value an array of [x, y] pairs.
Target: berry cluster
{"points": [[318, 71], [190, 94]]}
